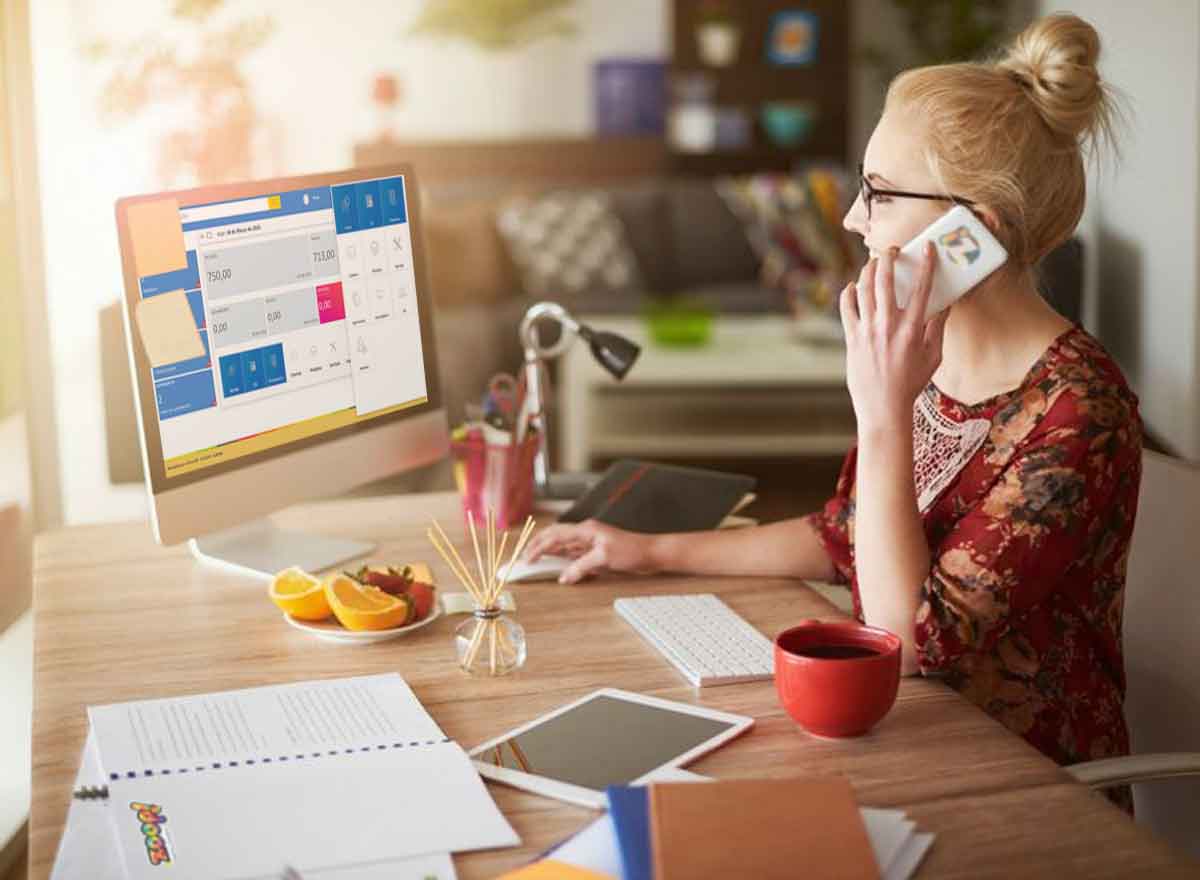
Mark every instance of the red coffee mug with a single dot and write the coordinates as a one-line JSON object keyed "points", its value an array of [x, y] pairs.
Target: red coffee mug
{"points": [[837, 679]]}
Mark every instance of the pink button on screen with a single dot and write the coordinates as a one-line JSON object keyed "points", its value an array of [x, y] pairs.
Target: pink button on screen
{"points": [[330, 305]]}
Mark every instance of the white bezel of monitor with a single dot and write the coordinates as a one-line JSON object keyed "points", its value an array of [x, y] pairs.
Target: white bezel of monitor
{"points": [[213, 498], [587, 797]]}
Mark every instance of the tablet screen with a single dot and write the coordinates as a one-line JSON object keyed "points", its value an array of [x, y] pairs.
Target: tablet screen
{"points": [[603, 741]]}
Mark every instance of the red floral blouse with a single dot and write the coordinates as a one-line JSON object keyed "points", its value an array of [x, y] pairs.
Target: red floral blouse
{"points": [[1021, 611]]}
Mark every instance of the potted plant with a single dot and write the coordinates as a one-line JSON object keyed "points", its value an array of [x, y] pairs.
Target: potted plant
{"points": [[718, 33]]}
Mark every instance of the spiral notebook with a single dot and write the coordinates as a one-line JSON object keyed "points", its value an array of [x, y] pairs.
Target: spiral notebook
{"points": [[312, 775], [88, 846]]}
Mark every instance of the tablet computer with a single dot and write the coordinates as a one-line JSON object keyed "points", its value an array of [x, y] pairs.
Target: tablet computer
{"points": [[609, 737]]}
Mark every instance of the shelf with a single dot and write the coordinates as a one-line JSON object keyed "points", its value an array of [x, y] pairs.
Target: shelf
{"points": [[753, 80]]}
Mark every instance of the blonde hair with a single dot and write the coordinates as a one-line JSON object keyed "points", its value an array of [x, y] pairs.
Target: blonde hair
{"points": [[1011, 134]]}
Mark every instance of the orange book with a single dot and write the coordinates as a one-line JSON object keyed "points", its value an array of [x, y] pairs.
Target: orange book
{"points": [[761, 828]]}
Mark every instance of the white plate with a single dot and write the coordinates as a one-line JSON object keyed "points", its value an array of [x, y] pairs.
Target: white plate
{"points": [[332, 631]]}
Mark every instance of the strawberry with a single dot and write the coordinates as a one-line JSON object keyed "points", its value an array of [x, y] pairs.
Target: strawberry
{"points": [[422, 596], [410, 615], [390, 580]]}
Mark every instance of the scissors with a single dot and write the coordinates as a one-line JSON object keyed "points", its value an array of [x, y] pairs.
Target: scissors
{"points": [[503, 399]]}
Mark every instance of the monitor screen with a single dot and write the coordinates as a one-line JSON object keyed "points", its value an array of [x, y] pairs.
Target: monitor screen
{"points": [[271, 319]]}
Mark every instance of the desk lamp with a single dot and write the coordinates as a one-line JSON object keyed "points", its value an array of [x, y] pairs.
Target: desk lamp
{"points": [[613, 352]]}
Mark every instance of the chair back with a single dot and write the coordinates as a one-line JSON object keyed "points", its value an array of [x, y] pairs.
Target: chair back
{"points": [[1162, 641]]}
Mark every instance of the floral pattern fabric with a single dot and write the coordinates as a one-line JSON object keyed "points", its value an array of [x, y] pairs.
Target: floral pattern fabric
{"points": [[1021, 611]]}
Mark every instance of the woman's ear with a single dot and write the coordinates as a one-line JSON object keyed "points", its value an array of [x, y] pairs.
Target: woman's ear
{"points": [[989, 217]]}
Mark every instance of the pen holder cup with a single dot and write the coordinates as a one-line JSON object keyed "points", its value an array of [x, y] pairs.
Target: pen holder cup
{"points": [[492, 473]]}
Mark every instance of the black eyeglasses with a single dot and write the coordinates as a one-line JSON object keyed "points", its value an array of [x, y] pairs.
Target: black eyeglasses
{"points": [[870, 193]]}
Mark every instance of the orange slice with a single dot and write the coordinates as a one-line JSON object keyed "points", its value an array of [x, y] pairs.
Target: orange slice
{"points": [[299, 594], [359, 607]]}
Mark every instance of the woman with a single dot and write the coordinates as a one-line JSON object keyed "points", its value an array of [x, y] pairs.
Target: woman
{"points": [[986, 511]]}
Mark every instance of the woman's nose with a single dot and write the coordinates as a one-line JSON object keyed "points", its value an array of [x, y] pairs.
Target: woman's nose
{"points": [[856, 218]]}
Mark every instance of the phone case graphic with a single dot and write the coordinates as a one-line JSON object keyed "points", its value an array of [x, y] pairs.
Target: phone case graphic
{"points": [[960, 246]]}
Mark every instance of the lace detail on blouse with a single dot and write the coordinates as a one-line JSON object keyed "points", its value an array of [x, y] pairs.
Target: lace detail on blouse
{"points": [[941, 448]]}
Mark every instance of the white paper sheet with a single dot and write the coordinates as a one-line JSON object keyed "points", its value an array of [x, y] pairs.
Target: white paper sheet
{"points": [[909, 858], [186, 733], [88, 847], [888, 830], [594, 848], [316, 813]]}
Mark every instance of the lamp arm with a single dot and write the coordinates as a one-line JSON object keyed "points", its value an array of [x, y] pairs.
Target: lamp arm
{"points": [[611, 350], [536, 389]]}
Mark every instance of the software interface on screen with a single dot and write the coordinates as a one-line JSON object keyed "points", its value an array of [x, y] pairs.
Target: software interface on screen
{"points": [[270, 319]]}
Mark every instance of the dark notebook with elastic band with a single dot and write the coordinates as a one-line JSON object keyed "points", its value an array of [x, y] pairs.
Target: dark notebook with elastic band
{"points": [[643, 496]]}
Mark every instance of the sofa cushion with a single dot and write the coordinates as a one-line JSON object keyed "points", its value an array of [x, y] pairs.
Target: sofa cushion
{"points": [[467, 260], [708, 242], [642, 209], [794, 222], [568, 241]]}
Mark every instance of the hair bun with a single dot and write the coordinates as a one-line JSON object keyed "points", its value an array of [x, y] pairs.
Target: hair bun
{"points": [[1054, 60]]}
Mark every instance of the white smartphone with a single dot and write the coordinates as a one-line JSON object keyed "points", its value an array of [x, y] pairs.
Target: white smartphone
{"points": [[967, 253]]}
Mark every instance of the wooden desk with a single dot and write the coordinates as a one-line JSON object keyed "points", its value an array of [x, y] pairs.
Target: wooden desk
{"points": [[118, 618]]}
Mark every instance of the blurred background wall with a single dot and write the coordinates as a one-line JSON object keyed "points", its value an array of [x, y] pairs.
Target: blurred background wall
{"points": [[1144, 223]]}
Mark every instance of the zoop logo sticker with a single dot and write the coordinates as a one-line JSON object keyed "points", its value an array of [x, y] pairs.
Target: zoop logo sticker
{"points": [[152, 819], [961, 247]]}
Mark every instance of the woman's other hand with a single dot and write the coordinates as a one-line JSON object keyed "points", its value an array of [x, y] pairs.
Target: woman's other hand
{"points": [[891, 353], [594, 547]]}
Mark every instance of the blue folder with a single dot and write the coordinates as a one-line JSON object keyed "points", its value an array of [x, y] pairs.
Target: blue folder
{"points": [[629, 807]]}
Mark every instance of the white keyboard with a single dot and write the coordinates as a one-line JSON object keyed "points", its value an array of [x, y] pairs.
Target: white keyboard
{"points": [[701, 637]]}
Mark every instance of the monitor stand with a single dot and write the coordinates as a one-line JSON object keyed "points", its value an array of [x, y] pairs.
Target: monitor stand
{"points": [[260, 549]]}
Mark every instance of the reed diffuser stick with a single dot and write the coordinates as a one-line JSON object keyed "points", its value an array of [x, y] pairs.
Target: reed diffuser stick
{"points": [[494, 598], [456, 566], [526, 532], [483, 578], [465, 575], [491, 548], [475, 644]]}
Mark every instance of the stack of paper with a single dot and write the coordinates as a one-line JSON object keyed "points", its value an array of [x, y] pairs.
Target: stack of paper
{"points": [[344, 779], [620, 845]]}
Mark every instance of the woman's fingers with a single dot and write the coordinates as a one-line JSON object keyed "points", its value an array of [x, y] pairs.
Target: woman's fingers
{"points": [[866, 290], [885, 298], [848, 306], [919, 303], [556, 540], [588, 564]]}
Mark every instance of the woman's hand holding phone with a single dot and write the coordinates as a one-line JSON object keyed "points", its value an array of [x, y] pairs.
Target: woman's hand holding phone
{"points": [[891, 353]]}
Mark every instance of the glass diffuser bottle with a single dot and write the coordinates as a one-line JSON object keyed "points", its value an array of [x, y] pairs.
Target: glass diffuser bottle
{"points": [[490, 642]]}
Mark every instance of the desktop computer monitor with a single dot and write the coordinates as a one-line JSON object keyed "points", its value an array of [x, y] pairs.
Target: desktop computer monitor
{"points": [[280, 337]]}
